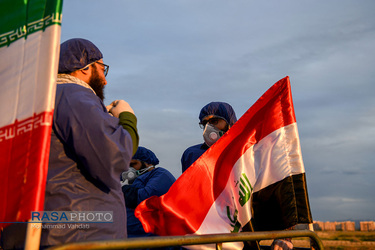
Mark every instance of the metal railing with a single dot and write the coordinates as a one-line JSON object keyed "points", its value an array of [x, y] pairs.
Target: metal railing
{"points": [[167, 241]]}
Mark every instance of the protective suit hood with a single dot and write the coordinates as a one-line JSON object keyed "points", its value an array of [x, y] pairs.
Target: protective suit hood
{"points": [[146, 155], [219, 109], [76, 54]]}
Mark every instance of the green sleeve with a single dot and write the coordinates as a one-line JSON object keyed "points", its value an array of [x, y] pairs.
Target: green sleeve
{"points": [[129, 122]]}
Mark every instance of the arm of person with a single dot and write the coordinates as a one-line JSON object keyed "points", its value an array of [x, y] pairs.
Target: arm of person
{"points": [[129, 122], [99, 145], [122, 110], [158, 183], [131, 195]]}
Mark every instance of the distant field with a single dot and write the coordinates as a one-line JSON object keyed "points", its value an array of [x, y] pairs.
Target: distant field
{"points": [[338, 240]]}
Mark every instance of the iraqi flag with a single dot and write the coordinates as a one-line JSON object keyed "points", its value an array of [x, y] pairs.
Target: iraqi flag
{"points": [[254, 172], [29, 51]]}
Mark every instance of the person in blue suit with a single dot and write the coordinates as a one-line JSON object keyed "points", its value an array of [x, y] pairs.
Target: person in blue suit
{"points": [[91, 145], [215, 119], [141, 181]]}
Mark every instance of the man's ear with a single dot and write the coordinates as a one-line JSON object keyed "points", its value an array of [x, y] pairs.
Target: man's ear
{"points": [[83, 74], [86, 70]]}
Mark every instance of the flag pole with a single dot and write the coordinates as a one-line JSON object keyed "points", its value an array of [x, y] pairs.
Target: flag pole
{"points": [[250, 245], [313, 245], [33, 234]]}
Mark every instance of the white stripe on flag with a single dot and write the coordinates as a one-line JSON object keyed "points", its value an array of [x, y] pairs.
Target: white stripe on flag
{"points": [[278, 156], [23, 79]]}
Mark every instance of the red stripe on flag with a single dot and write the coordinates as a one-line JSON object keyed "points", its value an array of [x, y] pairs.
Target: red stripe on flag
{"points": [[271, 112], [24, 149], [183, 209]]}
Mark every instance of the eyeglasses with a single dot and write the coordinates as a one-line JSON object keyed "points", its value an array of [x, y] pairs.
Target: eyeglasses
{"points": [[106, 67], [213, 121]]}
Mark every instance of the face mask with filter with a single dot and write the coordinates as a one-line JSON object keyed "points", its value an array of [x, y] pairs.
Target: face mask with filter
{"points": [[211, 134], [131, 174]]}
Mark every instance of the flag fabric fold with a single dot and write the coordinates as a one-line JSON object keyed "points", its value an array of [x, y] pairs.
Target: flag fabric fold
{"points": [[256, 166], [29, 48]]}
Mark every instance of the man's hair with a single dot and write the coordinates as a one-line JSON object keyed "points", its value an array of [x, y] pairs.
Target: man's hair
{"points": [[76, 54]]}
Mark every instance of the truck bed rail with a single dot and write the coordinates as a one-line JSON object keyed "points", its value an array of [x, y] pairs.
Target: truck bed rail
{"points": [[166, 241]]}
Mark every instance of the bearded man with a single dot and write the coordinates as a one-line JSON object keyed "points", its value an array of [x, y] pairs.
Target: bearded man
{"points": [[90, 148]]}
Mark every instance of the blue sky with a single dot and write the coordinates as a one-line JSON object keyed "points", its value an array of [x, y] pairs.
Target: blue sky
{"points": [[170, 58]]}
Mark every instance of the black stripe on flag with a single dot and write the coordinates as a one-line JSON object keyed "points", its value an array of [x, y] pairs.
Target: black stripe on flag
{"points": [[281, 205]]}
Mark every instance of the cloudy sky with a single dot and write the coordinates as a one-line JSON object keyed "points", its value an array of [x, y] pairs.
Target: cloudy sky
{"points": [[170, 58]]}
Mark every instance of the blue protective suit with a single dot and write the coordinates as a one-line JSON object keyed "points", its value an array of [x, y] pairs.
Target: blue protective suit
{"points": [[155, 182], [89, 151], [191, 154]]}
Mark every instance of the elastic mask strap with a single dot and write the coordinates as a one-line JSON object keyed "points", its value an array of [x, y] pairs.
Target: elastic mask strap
{"points": [[142, 171]]}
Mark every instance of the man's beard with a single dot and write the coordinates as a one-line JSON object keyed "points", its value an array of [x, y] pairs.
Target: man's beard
{"points": [[97, 84]]}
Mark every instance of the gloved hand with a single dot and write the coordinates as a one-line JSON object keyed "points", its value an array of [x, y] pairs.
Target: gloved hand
{"points": [[281, 244], [123, 183], [119, 106]]}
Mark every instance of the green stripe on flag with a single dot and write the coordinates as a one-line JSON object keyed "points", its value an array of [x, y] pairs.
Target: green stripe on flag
{"points": [[19, 18]]}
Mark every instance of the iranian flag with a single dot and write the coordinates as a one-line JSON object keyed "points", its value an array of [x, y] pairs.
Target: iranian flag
{"points": [[29, 51], [256, 166]]}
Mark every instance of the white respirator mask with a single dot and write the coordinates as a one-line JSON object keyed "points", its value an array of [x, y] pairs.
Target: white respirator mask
{"points": [[131, 174], [211, 134]]}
